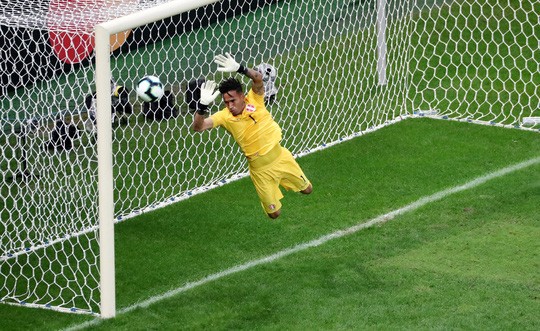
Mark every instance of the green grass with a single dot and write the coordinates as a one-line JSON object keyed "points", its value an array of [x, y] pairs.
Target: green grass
{"points": [[469, 261]]}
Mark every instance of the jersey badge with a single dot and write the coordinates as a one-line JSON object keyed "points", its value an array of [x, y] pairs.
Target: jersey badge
{"points": [[250, 108]]}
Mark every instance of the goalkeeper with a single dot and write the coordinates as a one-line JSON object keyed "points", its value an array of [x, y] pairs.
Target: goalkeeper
{"points": [[246, 118]]}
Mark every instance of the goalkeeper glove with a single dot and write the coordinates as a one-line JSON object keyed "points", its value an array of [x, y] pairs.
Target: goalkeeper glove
{"points": [[228, 64], [208, 95]]}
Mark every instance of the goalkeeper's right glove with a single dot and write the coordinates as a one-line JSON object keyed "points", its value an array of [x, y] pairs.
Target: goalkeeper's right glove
{"points": [[228, 64], [208, 95]]}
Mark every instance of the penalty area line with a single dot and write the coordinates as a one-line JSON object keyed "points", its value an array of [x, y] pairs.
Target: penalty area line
{"points": [[319, 241]]}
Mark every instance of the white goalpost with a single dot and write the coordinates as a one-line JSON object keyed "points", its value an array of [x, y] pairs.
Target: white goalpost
{"points": [[103, 33], [81, 152]]}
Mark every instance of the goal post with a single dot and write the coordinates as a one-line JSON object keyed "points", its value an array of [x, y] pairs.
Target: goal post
{"points": [[381, 41], [103, 33], [105, 173]]}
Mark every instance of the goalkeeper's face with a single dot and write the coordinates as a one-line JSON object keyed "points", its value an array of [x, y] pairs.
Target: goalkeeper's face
{"points": [[235, 102]]}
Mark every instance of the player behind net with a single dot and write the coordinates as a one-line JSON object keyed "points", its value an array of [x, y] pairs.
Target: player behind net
{"points": [[246, 118]]}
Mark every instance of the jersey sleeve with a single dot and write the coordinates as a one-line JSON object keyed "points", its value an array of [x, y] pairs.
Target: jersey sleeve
{"points": [[217, 118]]}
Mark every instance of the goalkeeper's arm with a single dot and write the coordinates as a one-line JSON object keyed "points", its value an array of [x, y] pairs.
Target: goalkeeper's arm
{"points": [[257, 80], [227, 63], [201, 122]]}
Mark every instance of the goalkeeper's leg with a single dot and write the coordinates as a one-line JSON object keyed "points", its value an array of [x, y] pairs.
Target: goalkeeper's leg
{"points": [[308, 190], [292, 176], [267, 188]]}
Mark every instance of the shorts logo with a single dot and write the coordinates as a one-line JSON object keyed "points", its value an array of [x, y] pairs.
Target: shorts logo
{"points": [[250, 108], [272, 207]]}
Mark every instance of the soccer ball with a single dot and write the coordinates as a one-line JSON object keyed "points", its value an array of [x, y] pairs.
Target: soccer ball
{"points": [[149, 88]]}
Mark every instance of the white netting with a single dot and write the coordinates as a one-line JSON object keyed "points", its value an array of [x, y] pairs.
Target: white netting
{"points": [[76, 14], [478, 61], [440, 60]]}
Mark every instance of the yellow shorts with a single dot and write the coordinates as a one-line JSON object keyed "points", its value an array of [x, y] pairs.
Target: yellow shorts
{"points": [[278, 167]]}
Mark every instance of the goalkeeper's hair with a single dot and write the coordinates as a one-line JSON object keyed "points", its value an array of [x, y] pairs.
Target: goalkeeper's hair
{"points": [[231, 84]]}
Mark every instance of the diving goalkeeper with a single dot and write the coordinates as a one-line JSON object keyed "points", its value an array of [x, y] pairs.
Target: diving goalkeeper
{"points": [[246, 118]]}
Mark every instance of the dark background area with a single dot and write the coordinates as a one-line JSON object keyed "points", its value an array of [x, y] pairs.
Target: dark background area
{"points": [[26, 55]]}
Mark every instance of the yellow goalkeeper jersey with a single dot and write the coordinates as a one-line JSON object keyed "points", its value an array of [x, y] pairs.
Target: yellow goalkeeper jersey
{"points": [[255, 131]]}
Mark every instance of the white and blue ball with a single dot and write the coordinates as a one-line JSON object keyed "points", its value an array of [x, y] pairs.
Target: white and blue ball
{"points": [[149, 88]]}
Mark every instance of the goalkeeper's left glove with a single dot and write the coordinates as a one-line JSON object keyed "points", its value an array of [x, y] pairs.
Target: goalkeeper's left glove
{"points": [[228, 64], [208, 95]]}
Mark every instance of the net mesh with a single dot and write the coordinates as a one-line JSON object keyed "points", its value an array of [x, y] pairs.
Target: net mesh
{"points": [[478, 61], [76, 14], [440, 61]]}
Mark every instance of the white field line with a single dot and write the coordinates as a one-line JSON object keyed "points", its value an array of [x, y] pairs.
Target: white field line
{"points": [[319, 241]]}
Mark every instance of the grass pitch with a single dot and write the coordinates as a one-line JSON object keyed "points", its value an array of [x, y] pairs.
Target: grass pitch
{"points": [[467, 261]]}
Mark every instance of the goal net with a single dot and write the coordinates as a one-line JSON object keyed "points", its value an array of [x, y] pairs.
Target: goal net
{"points": [[477, 61], [342, 69]]}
